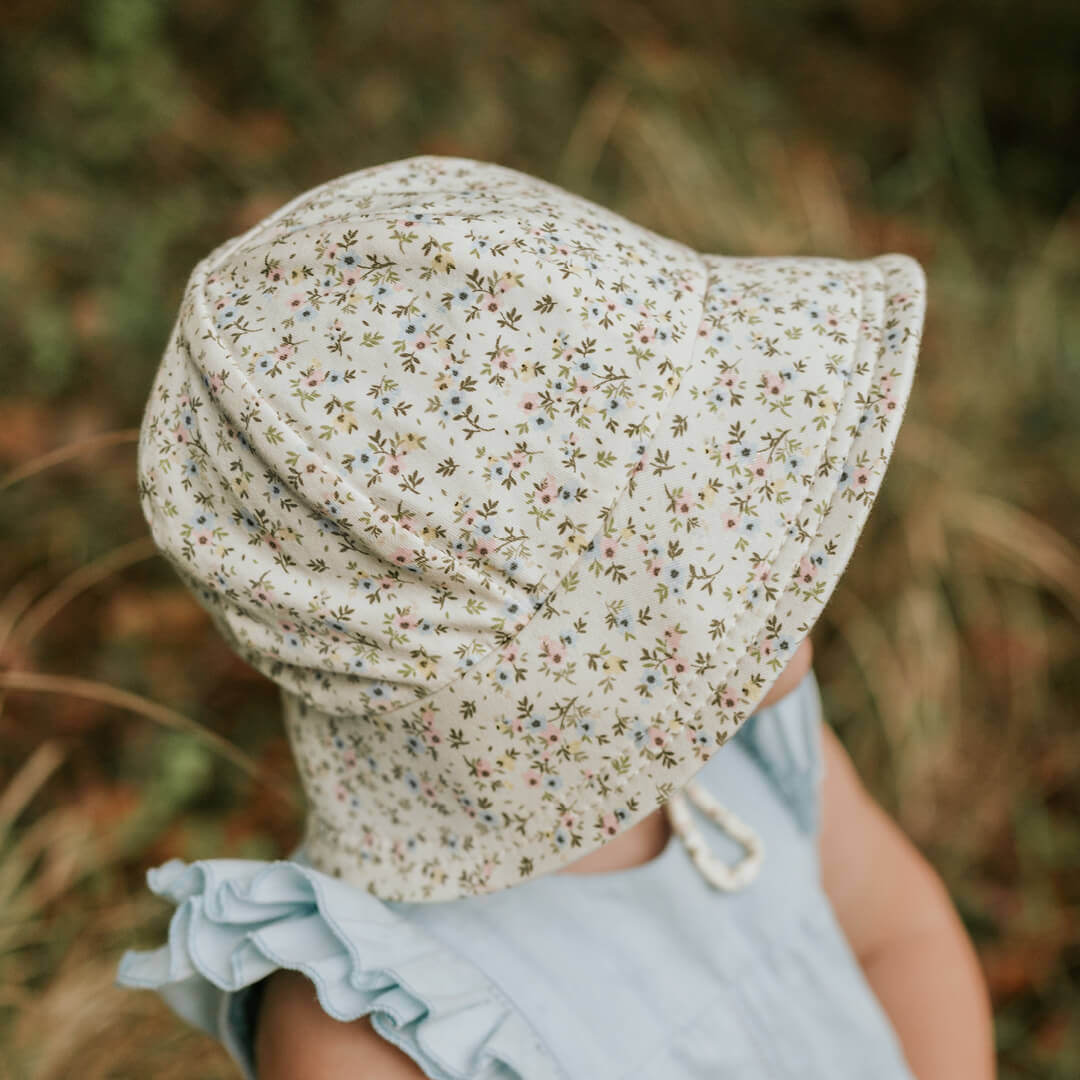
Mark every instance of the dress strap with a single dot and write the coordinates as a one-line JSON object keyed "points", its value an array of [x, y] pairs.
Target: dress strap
{"points": [[716, 872]]}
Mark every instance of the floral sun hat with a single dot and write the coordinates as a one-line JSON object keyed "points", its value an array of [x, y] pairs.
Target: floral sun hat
{"points": [[523, 505]]}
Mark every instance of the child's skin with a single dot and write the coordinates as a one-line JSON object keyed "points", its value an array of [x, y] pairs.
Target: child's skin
{"points": [[891, 904]]}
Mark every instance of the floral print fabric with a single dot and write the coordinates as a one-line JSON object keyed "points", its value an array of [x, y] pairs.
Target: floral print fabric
{"points": [[523, 505]]}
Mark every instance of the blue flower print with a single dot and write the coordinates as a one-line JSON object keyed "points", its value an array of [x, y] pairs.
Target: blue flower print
{"points": [[651, 680], [488, 818], [750, 526], [347, 260], [377, 691], [415, 744], [640, 734], [585, 726], [412, 782], [674, 577], [793, 463], [625, 620], [746, 451], [552, 782], [562, 837], [535, 722]]}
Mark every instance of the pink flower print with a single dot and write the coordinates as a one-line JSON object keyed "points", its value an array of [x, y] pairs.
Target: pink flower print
{"points": [[655, 567], [296, 301], [703, 329], [421, 341], [676, 665], [861, 478], [504, 360], [646, 334], [567, 820], [807, 570], [428, 716], [184, 401], [394, 463], [406, 621], [488, 867], [202, 537], [407, 523], [402, 556], [551, 734], [287, 627], [889, 402], [657, 738], [728, 700], [432, 737], [314, 379], [610, 824], [180, 434], [489, 302], [728, 452], [510, 653], [483, 768], [683, 505], [264, 595], [582, 386], [529, 401], [731, 521], [340, 792], [486, 546], [505, 283], [517, 459], [555, 651], [517, 726], [216, 383], [766, 648], [349, 757], [774, 384], [470, 517], [672, 637], [532, 777], [609, 545], [284, 352], [886, 383], [760, 467], [272, 542], [549, 490], [763, 571], [386, 582]]}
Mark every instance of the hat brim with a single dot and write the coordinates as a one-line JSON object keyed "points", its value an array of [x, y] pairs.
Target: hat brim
{"points": [[752, 597]]}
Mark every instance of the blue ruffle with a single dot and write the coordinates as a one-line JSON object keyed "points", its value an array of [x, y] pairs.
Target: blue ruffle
{"points": [[238, 920]]}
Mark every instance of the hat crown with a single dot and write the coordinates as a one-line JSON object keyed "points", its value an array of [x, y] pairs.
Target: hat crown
{"points": [[440, 375]]}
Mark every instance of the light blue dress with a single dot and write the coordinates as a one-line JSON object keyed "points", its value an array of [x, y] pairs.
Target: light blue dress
{"points": [[632, 974]]}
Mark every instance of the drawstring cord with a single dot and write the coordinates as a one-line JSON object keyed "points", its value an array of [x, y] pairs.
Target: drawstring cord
{"points": [[717, 873]]}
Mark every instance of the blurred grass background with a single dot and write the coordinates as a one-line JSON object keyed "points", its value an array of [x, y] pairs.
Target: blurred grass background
{"points": [[137, 135]]}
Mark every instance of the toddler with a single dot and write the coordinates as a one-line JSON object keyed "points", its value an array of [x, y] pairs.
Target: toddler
{"points": [[530, 512]]}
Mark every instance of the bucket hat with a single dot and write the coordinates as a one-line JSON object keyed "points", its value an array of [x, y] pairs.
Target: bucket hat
{"points": [[523, 505]]}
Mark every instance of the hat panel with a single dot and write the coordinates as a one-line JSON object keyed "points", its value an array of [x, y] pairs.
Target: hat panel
{"points": [[354, 630], [574, 736]]}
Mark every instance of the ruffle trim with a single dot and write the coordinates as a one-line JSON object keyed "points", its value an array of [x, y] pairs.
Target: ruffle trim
{"points": [[238, 920]]}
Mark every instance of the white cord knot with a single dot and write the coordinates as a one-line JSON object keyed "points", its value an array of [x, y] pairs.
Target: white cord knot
{"points": [[717, 873]]}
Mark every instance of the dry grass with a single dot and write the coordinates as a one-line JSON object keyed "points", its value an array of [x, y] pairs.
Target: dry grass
{"points": [[949, 652]]}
